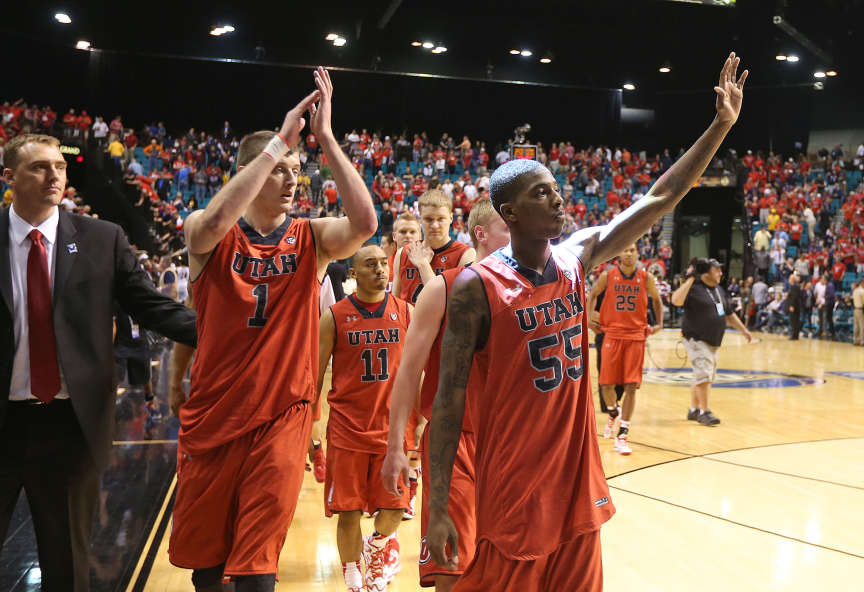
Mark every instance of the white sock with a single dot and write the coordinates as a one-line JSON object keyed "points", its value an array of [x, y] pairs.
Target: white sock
{"points": [[692, 409], [625, 424], [353, 575]]}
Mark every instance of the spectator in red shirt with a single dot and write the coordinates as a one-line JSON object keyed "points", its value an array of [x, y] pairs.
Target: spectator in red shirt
{"points": [[70, 124], [84, 122], [838, 270], [332, 198]]}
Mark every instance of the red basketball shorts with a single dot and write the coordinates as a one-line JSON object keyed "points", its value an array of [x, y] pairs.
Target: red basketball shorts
{"points": [[353, 482], [235, 502], [575, 566], [622, 361], [461, 508]]}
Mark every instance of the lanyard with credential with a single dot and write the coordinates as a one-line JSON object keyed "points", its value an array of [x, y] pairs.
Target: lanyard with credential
{"points": [[718, 302]]}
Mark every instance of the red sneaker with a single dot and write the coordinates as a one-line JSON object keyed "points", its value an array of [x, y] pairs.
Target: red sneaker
{"points": [[319, 465]]}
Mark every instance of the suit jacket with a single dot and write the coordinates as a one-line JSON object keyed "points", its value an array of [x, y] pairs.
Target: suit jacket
{"points": [[94, 266], [794, 298]]}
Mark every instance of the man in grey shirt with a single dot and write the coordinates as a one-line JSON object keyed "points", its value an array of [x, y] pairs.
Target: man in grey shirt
{"points": [[760, 293]]}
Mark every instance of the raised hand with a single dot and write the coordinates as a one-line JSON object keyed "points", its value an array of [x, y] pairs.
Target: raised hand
{"points": [[294, 121], [418, 253], [320, 113], [730, 91]]}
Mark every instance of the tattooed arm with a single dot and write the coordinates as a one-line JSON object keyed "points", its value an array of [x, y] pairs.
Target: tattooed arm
{"points": [[600, 243], [467, 330]]}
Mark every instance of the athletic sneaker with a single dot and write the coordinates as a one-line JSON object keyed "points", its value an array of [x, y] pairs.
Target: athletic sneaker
{"points": [[319, 464], [408, 514], [708, 419], [610, 428], [375, 577], [621, 445], [392, 565], [356, 585], [693, 415]]}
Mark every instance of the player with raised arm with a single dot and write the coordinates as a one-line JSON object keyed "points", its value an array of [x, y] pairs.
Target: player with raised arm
{"points": [[256, 274], [518, 318], [423, 349], [364, 333], [624, 323]]}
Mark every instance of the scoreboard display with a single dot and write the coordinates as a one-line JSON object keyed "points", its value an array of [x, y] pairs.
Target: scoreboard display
{"points": [[524, 151]]}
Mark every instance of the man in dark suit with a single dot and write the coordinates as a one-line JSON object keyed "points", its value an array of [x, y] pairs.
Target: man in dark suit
{"points": [[59, 277], [794, 303]]}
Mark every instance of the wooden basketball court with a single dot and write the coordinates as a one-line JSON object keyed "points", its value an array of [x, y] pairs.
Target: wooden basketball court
{"points": [[771, 499]]}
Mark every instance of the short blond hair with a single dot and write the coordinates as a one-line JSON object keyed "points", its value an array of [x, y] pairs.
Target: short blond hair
{"points": [[482, 212], [12, 151], [435, 198], [253, 144], [406, 217]]}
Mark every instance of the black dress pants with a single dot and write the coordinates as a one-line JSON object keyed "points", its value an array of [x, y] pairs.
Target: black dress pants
{"points": [[43, 453]]}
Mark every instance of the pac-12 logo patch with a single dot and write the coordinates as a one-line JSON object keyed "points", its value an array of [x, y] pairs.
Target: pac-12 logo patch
{"points": [[393, 316], [443, 258], [290, 240]]}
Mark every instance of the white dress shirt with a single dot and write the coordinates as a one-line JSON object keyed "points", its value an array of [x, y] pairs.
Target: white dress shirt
{"points": [[19, 251]]}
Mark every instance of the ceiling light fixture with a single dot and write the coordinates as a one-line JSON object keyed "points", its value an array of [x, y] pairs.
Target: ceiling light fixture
{"points": [[514, 52], [340, 41], [416, 44], [428, 45], [85, 45], [819, 74], [62, 17], [228, 29], [628, 86], [526, 53], [792, 58], [665, 69], [831, 73], [332, 37], [780, 57], [545, 60], [440, 49], [217, 31]]}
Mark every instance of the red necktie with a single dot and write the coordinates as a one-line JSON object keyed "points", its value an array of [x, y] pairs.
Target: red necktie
{"points": [[44, 372]]}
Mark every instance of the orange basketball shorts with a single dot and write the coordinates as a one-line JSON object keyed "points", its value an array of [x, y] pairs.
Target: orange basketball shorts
{"points": [[622, 361], [235, 502], [575, 566], [353, 482], [461, 508]]}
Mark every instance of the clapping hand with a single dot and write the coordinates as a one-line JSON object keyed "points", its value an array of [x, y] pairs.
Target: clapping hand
{"points": [[730, 91], [418, 253], [320, 112], [294, 121]]}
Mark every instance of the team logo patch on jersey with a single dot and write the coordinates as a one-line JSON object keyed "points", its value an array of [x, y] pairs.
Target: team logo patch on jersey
{"points": [[728, 378], [393, 316], [290, 240], [425, 555], [72, 248], [601, 502], [568, 274], [350, 318], [443, 258]]}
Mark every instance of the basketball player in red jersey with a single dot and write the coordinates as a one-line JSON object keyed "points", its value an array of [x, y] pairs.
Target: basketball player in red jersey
{"points": [[364, 333], [406, 231], [624, 322], [423, 348], [416, 264], [518, 318], [256, 275]]}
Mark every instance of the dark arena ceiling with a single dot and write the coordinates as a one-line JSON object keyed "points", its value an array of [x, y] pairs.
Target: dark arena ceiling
{"points": [[597, 43]]}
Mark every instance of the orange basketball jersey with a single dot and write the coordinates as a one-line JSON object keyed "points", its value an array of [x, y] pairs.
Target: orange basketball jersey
{"points": [[540, 480], [257, 306], [624, 312], [366, 357], [433, 364], [446, 257]]}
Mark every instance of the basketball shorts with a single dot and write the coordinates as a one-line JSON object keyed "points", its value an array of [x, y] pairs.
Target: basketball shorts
{"points": [[622, 361], [411, 430], [461, 508], [353, 482], [235, 502], [575, 566]]}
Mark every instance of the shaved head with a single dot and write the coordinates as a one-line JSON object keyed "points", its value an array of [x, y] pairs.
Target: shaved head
{"points": [[507, 180]]}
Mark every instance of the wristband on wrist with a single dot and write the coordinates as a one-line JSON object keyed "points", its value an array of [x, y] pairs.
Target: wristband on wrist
{"points": [[276, 147]]}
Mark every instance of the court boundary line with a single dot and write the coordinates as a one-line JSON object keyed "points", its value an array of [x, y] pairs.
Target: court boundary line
{"points": [[147, 549], [688, 455], [751, 527]]}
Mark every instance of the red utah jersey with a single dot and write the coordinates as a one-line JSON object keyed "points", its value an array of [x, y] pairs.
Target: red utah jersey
{"points": [[446, 257], [366, 356], [624, 312], [433, 364], [257, 306], [537, 459]]}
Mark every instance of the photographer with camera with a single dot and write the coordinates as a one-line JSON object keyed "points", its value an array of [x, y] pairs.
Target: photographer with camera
{"points": [[707, 311]]}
